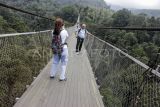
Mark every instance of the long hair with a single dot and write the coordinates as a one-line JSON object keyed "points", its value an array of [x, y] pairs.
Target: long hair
{"points": [[58, 26]]}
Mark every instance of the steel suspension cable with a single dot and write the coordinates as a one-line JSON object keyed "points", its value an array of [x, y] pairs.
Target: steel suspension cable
{"points": [[23, 11], [133, 28]]}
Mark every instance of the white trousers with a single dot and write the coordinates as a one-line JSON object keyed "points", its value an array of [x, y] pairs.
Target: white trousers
{"points": [[64, 60]]}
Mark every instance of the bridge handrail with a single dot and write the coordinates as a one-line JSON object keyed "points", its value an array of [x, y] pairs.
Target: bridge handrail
{"points": [[127, 55], [26, 33]]}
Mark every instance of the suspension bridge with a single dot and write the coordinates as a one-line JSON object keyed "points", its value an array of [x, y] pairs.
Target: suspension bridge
{"points": [[130, 82], [80, 90]]}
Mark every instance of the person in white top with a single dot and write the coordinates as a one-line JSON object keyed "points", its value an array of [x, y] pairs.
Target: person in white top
{"points": [[80, 37], [63, 56]]}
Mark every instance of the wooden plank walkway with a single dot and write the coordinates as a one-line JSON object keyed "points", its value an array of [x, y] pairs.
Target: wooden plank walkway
{"points": [[80, 89]]}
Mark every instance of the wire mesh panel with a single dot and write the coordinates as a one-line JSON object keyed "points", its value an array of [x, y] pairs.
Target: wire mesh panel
{"points": [[124, 81], [22, 57]]}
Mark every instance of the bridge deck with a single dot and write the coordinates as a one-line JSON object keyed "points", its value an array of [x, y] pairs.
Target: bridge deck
{"points": [[80, 89]]}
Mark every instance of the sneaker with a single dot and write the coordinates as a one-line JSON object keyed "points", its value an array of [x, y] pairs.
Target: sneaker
{"points": [[80, 52], [52, 77], [63, 79], [77, 53]]}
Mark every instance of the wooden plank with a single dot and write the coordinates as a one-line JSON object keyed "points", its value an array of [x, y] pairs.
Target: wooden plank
{"points": [[80, 89]]}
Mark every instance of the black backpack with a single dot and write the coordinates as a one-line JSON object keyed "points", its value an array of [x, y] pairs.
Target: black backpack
{"points": [[81, 29]]}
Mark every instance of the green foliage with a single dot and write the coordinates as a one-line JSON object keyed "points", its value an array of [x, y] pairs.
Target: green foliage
{"points": [[138, 51], [9, 23], [4, 27], [21, 59], [135, 42], [95, 16], [93, 3], [130, 39], [121, 18], [109, 99], [151, 50], [18, 24], [138, 20], [149, 12], [13, 70], [142, 37], [156, 39], [120, 77], [68, 13]]}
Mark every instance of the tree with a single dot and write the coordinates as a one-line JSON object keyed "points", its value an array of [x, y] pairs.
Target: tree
{"points": [[4, 27], [138, 51], [109, 99], [156, 39], [151, 50], [18, 25], [142, 36], [152, 22], [121, 18], [68, 13], [130, 39], [3, 24], [139, 20]]}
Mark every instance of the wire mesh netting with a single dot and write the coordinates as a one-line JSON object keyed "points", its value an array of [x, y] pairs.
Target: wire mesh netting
{"points": [[124, 81], [21, 60]]}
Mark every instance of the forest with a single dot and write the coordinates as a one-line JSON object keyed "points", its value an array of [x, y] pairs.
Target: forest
{"points": [[143, 45], [123, 83]]}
